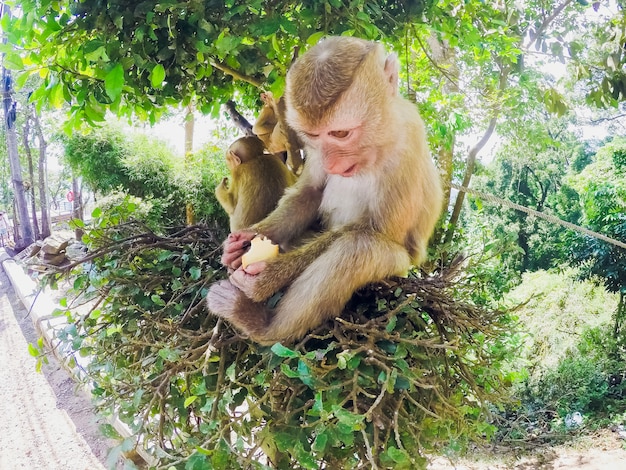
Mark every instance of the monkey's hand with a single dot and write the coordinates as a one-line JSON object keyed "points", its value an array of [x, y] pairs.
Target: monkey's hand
{"points": [[263, 279], [224, 182], [235, 246]]}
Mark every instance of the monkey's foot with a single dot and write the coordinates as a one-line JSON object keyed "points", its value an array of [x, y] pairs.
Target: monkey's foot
{"points": [[222, 299], [228, 302], [256, 287]]}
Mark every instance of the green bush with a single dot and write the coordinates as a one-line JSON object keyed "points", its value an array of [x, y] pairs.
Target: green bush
{"points": [[203, 172], [405, 372], [574, 365], [111, 161], [577, 384]]}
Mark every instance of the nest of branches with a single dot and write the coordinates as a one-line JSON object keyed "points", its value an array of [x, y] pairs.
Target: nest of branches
{"points": [[406, 370]]}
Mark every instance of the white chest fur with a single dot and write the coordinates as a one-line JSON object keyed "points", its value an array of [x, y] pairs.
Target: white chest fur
{"points": [[347, 200]]}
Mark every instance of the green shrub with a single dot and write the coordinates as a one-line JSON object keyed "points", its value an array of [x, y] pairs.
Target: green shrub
{"points": [[111, 161], [203, 172], [577, 384]]}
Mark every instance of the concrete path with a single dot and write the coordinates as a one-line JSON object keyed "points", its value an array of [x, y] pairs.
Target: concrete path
{"points": [[45, 423]]}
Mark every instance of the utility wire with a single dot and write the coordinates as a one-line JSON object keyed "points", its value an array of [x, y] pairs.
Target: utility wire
{"points": [[550, 218]]}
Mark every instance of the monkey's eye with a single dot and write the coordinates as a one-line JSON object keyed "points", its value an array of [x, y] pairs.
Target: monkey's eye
{"points": [[339, 134], [310, 135]]}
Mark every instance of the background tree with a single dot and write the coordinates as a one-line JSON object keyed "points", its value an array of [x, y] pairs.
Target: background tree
{"points": [[111, 159], [531, 168], [602, 189], [22, 221]]}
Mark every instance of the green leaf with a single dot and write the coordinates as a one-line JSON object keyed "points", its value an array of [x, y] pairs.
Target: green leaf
{"points": [[32, 350], [283, 351], [346, 417], [190, 400], [93, 45], [12, 61], [55, 96], [169, 354], [195, 273], [319, 444], [305, 374], [286, 370], [164, 255], [318, 405], [230, 371], [157, 76], [397, 455], [109, 431], [226, 44], [197, 462], [94, 113], [114, 82], [304, 457]]}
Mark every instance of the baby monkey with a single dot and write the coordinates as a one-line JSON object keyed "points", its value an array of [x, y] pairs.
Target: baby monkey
{"points": [[258, 180]]}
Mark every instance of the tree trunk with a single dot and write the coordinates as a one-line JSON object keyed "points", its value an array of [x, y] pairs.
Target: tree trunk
{"points": [[444, 58], [43, 177], [31, 174], [190, 214], [469, 171], [77, 207], [240, 122], [25, 232], [471, 159]]}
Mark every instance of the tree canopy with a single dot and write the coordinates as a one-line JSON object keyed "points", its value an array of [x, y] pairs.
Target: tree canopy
{"points": [[138, 57]]}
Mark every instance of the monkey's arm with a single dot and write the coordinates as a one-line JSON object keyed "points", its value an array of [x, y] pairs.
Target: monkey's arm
{"points": [[226, 197], [297, 211]]}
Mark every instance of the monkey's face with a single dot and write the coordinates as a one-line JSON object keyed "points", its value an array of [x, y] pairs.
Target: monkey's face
{"points": [[340, 145], [338, 98]]}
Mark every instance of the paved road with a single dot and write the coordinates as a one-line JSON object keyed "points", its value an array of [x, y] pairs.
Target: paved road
{"points": [[44, 423]]}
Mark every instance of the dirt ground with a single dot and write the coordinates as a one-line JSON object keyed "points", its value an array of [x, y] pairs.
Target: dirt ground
{"points": [[602, 451], [45, 423]]}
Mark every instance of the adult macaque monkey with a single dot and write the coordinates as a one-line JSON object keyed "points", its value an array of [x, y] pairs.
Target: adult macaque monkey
{"points": [[258, 180], [368, 179], [272, 128]]}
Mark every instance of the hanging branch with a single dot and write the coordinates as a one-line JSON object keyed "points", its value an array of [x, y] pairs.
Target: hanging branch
{"points": [[241, 122]]}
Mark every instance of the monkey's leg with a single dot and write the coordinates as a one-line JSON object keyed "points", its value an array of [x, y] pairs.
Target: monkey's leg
{"points": [[228, 302], [326, 285]]}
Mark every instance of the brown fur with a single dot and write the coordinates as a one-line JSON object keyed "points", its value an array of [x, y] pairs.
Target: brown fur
{"points": [[257, 182], [276, 134], [368, 179]]}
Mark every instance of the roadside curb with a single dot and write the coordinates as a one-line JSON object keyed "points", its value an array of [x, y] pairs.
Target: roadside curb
{"points": [[41, 307]]}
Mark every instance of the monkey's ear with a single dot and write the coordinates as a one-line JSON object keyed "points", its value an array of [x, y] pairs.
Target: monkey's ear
{"points": [[391, 73], [234, 158]]}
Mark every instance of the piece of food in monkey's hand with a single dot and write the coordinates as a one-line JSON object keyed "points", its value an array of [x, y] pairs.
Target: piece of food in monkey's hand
{"points": [[261, 248]]}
